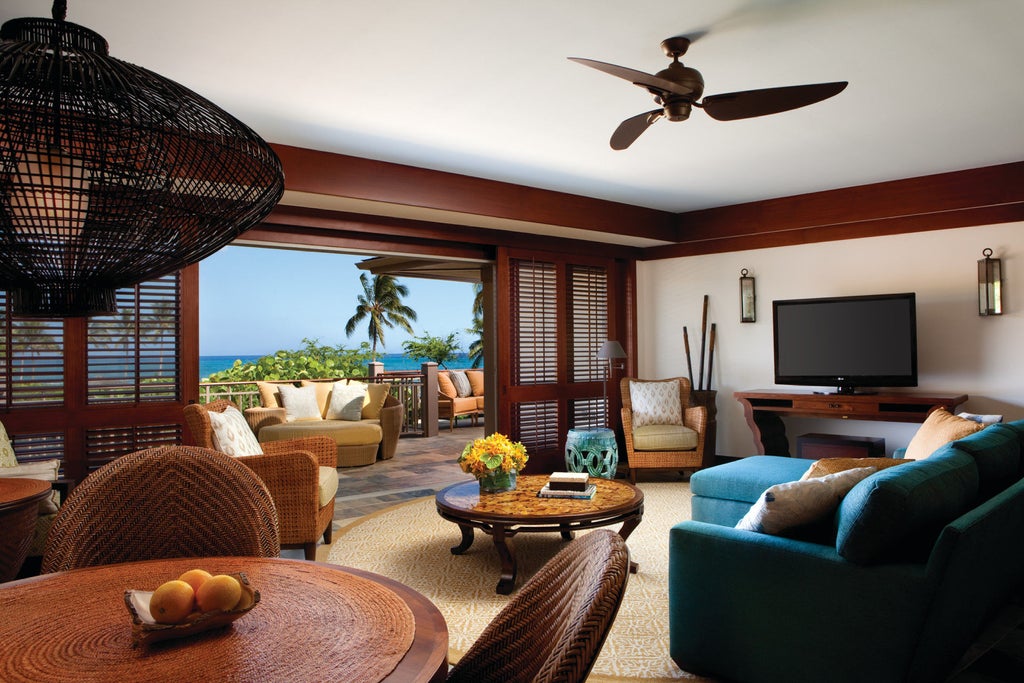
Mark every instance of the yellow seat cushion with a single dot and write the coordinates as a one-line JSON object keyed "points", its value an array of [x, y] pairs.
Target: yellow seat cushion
{"points": [[343, 432], [327, 487], [664, 438]]}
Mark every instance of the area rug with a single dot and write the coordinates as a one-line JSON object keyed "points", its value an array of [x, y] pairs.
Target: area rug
{"points": [[411, 543]]}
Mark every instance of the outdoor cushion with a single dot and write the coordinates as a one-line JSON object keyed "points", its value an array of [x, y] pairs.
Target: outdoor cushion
{"points": [[476, 381], [270, 395], [881, 514], [300, 402], [342, 432], [376, 395], [445, 385], [658, 437], [347, 401], [461, 382], [323, 394]]}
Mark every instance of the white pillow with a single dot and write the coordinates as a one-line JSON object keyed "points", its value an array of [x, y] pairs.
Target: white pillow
{"points": [[347, 401], [655, 403], [300, 402], [800, 502], [231, 433], [7, 458], [45, 470]]}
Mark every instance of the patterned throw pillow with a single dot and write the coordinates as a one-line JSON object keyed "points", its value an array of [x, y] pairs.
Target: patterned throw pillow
{"points": [[231, 433], [7, 458], [461, 382], [795, 503], [347, 401], [300, 403], [655, 403]]}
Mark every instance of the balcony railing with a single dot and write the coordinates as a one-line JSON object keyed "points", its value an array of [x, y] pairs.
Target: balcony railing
{"points": [[409, 387]]}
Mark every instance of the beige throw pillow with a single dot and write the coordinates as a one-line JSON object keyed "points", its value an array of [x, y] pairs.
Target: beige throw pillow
{"points": [[7, 458], [655, 403], [461, 382], [376, 395], [300, 403], [231, 433], [270, 397], [347, 401], [938, 429]]}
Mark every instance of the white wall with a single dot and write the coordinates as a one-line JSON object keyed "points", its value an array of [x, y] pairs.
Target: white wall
{"points": [[958, 350]]}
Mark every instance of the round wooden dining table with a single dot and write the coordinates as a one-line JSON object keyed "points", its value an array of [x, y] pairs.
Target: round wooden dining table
{"points": [[313, 622]]}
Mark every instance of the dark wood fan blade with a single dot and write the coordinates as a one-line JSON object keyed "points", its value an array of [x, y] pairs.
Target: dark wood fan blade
{"points": [[630, 129], [644, 80], [750, 103]]}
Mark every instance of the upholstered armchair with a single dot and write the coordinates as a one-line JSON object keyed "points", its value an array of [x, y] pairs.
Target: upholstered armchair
{"points": [[301, 475], [661, 429]]}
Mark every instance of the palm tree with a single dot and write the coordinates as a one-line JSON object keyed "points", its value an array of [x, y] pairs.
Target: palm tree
{"points": [[476, 347], [381, 302]]}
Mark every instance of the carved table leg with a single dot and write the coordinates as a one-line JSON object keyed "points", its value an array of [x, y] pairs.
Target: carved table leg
{"points": [[567, 533], [625, 531], [467, 540], [503, 544]]}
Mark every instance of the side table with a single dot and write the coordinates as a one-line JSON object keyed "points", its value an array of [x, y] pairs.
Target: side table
{"points": [[19, 508], [594, 451]]}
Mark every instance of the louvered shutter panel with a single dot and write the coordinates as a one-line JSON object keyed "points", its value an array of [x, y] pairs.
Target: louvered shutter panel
{"points": [[32, 363]]}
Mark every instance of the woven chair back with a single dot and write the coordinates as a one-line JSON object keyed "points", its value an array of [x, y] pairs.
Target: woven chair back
{"points": [[173, 501], [553, 629]]}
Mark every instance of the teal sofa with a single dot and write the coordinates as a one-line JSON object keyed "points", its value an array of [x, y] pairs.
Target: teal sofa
{"points": [[894, 587]]}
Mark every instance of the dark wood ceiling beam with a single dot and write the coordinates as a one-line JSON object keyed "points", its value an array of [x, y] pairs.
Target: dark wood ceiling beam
{"points": [[340, 175], [981, 196], [391, 231]]}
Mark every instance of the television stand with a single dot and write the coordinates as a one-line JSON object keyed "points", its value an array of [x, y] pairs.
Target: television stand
{"points": [[764, 410]]}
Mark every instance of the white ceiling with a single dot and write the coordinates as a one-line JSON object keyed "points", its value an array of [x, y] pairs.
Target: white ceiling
{"points": [[484, 87]]}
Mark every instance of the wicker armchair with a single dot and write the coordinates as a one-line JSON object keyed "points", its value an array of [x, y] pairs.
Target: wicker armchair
{"points": [[553, 629], [694, 418], [173, 501], [291, 470]]}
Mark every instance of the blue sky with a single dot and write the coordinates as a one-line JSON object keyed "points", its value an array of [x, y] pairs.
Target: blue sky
{"points": [[255, 301]]}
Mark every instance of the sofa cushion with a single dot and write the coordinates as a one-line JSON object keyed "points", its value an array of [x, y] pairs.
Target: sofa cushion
{"points": [[445, 385], [343, 433], [270, 395], [664, 438], [300, 402], [655, 403], [795, 503], [45, 470], [461, 382], [327, 484], [476, 381], [939, 428], [997, 453], [7, 458], [376, 396], [826, 466], [899, 511], [747, 478], [231, 433], [322, 389], [347, 401]]}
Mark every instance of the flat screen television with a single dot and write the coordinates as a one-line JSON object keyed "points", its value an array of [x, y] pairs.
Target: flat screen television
{"points": [[849, 342]]}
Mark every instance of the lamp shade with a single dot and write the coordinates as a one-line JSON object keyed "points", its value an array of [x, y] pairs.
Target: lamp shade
{"points": [[610, 350], [111, 174]]}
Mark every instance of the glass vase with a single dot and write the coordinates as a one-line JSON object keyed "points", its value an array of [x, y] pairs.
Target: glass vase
{"points": [[497, 481]]}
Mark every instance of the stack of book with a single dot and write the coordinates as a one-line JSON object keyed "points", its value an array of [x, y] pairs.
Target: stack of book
{"points": [[568, 485]]}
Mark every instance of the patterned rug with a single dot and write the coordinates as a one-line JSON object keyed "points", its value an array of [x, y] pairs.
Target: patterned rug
{"points": [[410, 542]]}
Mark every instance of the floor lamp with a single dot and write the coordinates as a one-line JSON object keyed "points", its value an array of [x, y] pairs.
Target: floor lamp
{"points": [[610, 351]]}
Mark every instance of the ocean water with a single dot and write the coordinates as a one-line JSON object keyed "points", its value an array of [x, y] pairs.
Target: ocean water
{"points": [[392, 361]]}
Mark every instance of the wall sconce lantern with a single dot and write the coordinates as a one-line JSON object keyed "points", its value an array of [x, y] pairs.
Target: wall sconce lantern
{"points": [[747, 298], [990, 284]]}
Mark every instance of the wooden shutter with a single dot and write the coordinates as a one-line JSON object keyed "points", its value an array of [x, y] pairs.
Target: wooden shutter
{"points": [[133, 354], [31, 360]]}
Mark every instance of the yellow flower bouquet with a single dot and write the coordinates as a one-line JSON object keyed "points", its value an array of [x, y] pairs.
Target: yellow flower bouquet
{"points": [[494, 460]]}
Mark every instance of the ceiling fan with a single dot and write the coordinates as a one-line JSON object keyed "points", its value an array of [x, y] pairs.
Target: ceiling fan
{"points": [[678, 88]]}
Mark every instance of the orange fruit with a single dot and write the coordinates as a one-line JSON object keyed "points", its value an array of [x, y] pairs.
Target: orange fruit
{"points": [[195, 577], [172, 602], [218, 592]]}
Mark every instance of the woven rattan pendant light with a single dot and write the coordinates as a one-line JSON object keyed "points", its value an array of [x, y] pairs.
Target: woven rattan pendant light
{"points": [[111, 174]]}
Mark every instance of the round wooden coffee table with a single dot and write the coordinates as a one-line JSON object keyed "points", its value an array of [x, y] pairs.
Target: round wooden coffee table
{"points": [[503, 515]]}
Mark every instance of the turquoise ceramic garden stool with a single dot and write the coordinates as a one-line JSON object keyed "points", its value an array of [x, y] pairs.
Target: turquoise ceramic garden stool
{"points": [[593, 451]]}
